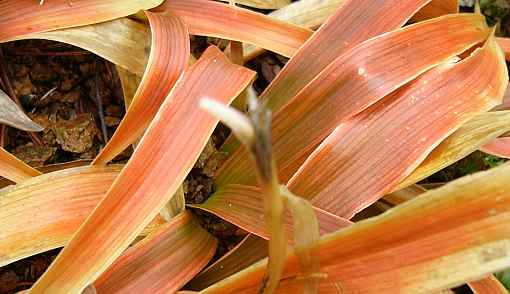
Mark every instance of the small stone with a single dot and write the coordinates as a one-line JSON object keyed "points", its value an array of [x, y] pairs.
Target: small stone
{"points": [[76, 135], [34, 155]]}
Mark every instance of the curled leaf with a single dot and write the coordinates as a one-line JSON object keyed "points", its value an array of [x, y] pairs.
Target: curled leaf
{"points": [[27, 16], [12, 115], [167, 61]]}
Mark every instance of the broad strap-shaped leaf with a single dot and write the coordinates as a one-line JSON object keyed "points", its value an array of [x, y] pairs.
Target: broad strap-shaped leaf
{"points": [[244, 207], [368, 155], [165, 155], [488, 285], [312, 13], [42, 213], [123, 41], [21, 17], [354, 81], [250, 250], [262, 4], [437, 8], [15, 169], [345, 29], [163, 262], [468, 138], [167, 62], [499, 147], [447, 236], [216, 19], [12, 115]]}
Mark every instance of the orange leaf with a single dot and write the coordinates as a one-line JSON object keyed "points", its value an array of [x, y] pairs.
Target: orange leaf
{"points": [[42, 213], [163, 262], [499, 147], [504, 43], [165, 155], [244, 207], [479, 130], [440, 239], [15, 169], [488, 285], [214, 19], [167, 61], [437, 8], [123, 41], [21, 17], [354, 81], [11, 114], [250, 250], [368, 155], [343, 30]]}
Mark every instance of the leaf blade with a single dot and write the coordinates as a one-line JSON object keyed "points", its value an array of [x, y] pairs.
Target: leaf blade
{"points": [[397, 133], [163, 262], [11, 114], [167, 61], [139, 193], [26, 16], [214, 19], [14, 169], [244, 207], [354, 81], [452, 234]]}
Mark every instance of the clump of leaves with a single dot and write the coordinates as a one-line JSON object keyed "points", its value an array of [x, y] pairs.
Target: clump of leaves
{"points": [[356, 115]]}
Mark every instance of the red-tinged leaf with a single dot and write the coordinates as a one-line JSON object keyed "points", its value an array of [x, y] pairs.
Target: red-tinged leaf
{"points": [[244, 207], [165, 155], [468, 138], [345, 29], [437, 8], [484, 286], [441, 239], [21, 17], [167, 61], [14, 169], [262, 4], [162, 262], [504, 43], [250, 250], [488, 285], [42, 213], [12, 115], [215, 19], [368, 155], [499, 147], [354, 81], [124, 42]]}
